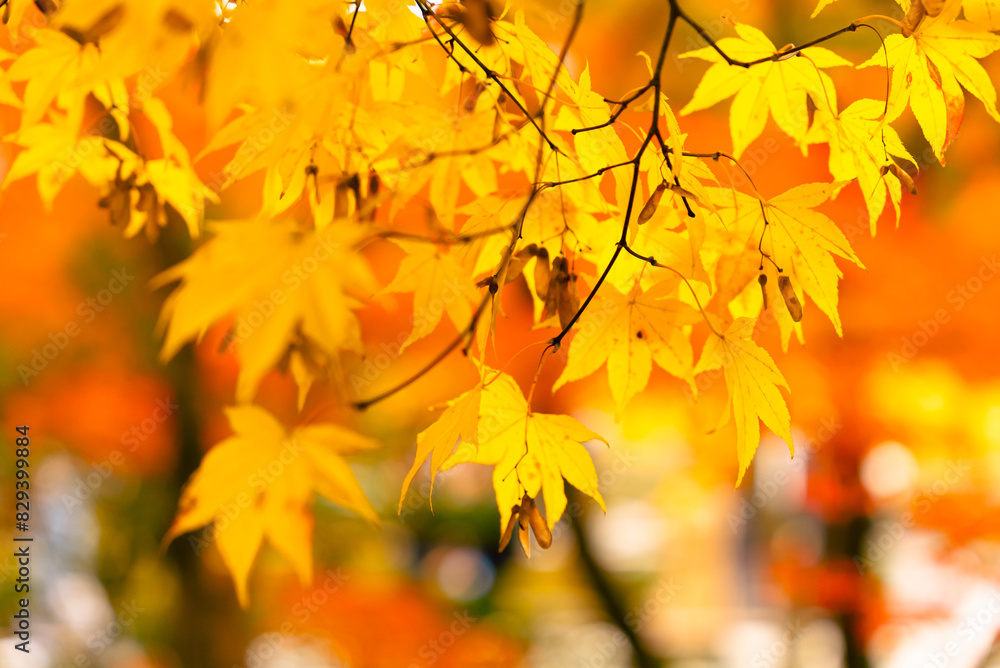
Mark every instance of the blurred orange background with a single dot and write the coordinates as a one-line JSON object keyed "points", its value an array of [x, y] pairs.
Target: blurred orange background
{"points": [[877, 545]]}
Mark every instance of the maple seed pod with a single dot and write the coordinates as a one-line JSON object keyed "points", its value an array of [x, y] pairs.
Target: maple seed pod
{"points": [[514, 270], [147, 199], [810, 111], [913, 18], [177, 21], [470, 101], [341, 201], [784, 50], [476, 16], [559, 275], [538, 525], [762, 279], [683, 192], [520, 513], [528, 252], [900, 174], [46, 6], [517, 262], [120, 206], [569, 302], [542, 273], [101, 27], [791, 301], [339, 26], [654, 201], [508, 533], [933, 7]]}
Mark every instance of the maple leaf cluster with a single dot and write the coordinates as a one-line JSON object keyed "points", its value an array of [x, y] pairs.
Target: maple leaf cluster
{"points": [[631, 251]]}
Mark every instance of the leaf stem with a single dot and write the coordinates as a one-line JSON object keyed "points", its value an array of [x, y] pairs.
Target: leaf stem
{"points": [[652, 261], [877, 17]]}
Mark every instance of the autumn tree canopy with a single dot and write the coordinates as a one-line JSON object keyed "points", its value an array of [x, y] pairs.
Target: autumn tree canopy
{"points": [[440, 167]]}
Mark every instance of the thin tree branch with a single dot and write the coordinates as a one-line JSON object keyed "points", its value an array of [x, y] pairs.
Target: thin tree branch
{"points": [[467, 332], [428, 12], [779, 55], [654, 125], [610, 599]]}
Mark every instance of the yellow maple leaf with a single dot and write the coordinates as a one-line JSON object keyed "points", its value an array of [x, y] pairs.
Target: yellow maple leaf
{"points": [[929, 70], [597, 148], [799, 239], [823, 4], [752, 380], [294, 284], [19, 25], [179, 186], [268, 51], [169, 29], [7, 95], [440, 151], [54, 152], [530, 453], [139, 191], [861, 143], [56, 68], [458, 422], [439, 285], [533, 52], [629, 333], [260, 483], [983, 12], [779, 88]]}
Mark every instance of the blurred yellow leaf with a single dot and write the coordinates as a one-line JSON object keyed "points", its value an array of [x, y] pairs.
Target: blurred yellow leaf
{"points": [[292, 284], [260, 483]]}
